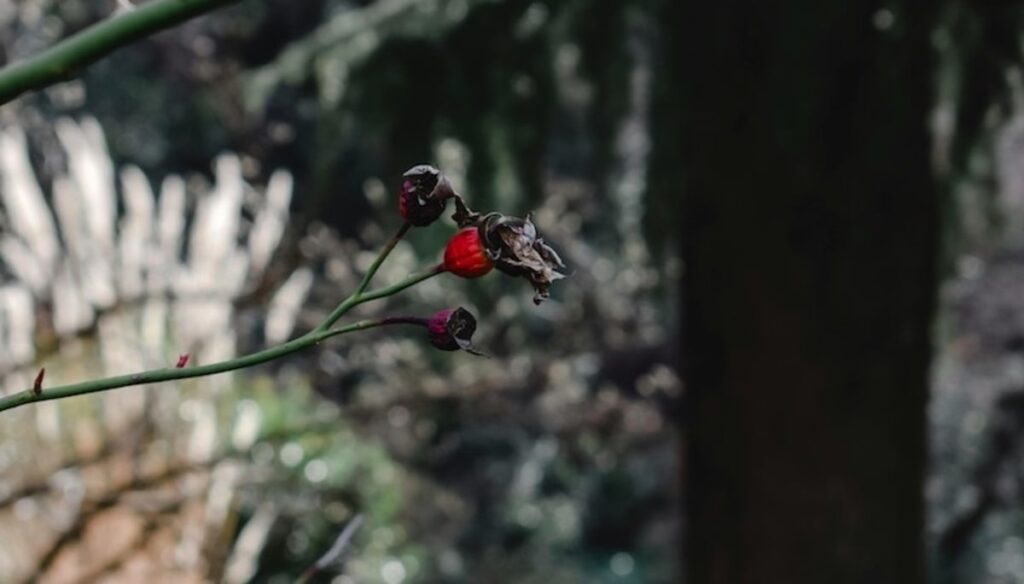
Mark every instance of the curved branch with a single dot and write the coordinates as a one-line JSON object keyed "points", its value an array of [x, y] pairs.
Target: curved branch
{"points": [[66, 58], [314, 337]]}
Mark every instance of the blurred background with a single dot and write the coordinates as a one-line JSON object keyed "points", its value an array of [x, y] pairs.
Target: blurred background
{"points": [[221, 186], [853, 177]]}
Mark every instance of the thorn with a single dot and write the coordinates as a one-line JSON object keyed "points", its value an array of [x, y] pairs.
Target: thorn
{"points": [[37, 385], [182, 361]]}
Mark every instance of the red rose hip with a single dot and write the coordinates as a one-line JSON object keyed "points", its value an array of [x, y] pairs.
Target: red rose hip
{"points": [[465, 255]]}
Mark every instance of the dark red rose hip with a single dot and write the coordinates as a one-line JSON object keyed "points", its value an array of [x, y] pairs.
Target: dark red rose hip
{"points": [[452, 329], [424, 194]]}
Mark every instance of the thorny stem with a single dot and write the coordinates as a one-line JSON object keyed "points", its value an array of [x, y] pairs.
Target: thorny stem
{"points": [[315, 336], [63, 60], [173, 373]]}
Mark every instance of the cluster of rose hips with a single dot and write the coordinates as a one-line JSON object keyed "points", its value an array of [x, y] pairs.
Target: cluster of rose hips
{"points": [[483, 242]]}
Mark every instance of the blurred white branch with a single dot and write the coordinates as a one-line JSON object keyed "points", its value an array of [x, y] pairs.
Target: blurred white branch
{"points": [[242, 564], [80, 257], [336, 550]]}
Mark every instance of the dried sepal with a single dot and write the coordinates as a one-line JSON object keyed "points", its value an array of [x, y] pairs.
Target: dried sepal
{"points": [[464, 216]]}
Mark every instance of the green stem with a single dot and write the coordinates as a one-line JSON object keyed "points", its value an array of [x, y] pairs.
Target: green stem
{"points": [[63, 60], [357, 299], [354, 299], [315, 336], [383, 255], [396, 288], [413, 320]]}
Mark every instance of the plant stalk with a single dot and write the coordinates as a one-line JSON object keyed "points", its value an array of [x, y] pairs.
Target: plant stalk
{"points": [[354, 299], [321, 333], [63, 60]]}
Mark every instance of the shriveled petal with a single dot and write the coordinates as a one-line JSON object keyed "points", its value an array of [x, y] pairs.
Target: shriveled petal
{"points": [[514, 247], [549, 255]]}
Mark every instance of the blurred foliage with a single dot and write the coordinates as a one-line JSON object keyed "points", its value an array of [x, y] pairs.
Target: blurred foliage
{"points": [[340, 93]]}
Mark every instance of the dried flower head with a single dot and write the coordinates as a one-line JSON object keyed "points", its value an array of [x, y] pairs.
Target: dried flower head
{"points": [[424, 194], [516, 249], [452, 329]]}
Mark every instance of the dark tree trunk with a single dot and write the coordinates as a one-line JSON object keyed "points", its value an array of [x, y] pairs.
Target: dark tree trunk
{"points": [[811, 246]]}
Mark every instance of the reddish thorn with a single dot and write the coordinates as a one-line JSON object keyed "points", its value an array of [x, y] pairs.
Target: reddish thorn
{"points": [[37, 385], [182, 361]]}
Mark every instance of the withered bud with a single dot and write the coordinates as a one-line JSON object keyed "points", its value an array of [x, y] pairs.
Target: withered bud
{"points": [[516, 249], [452, 329], [424, 194]]}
